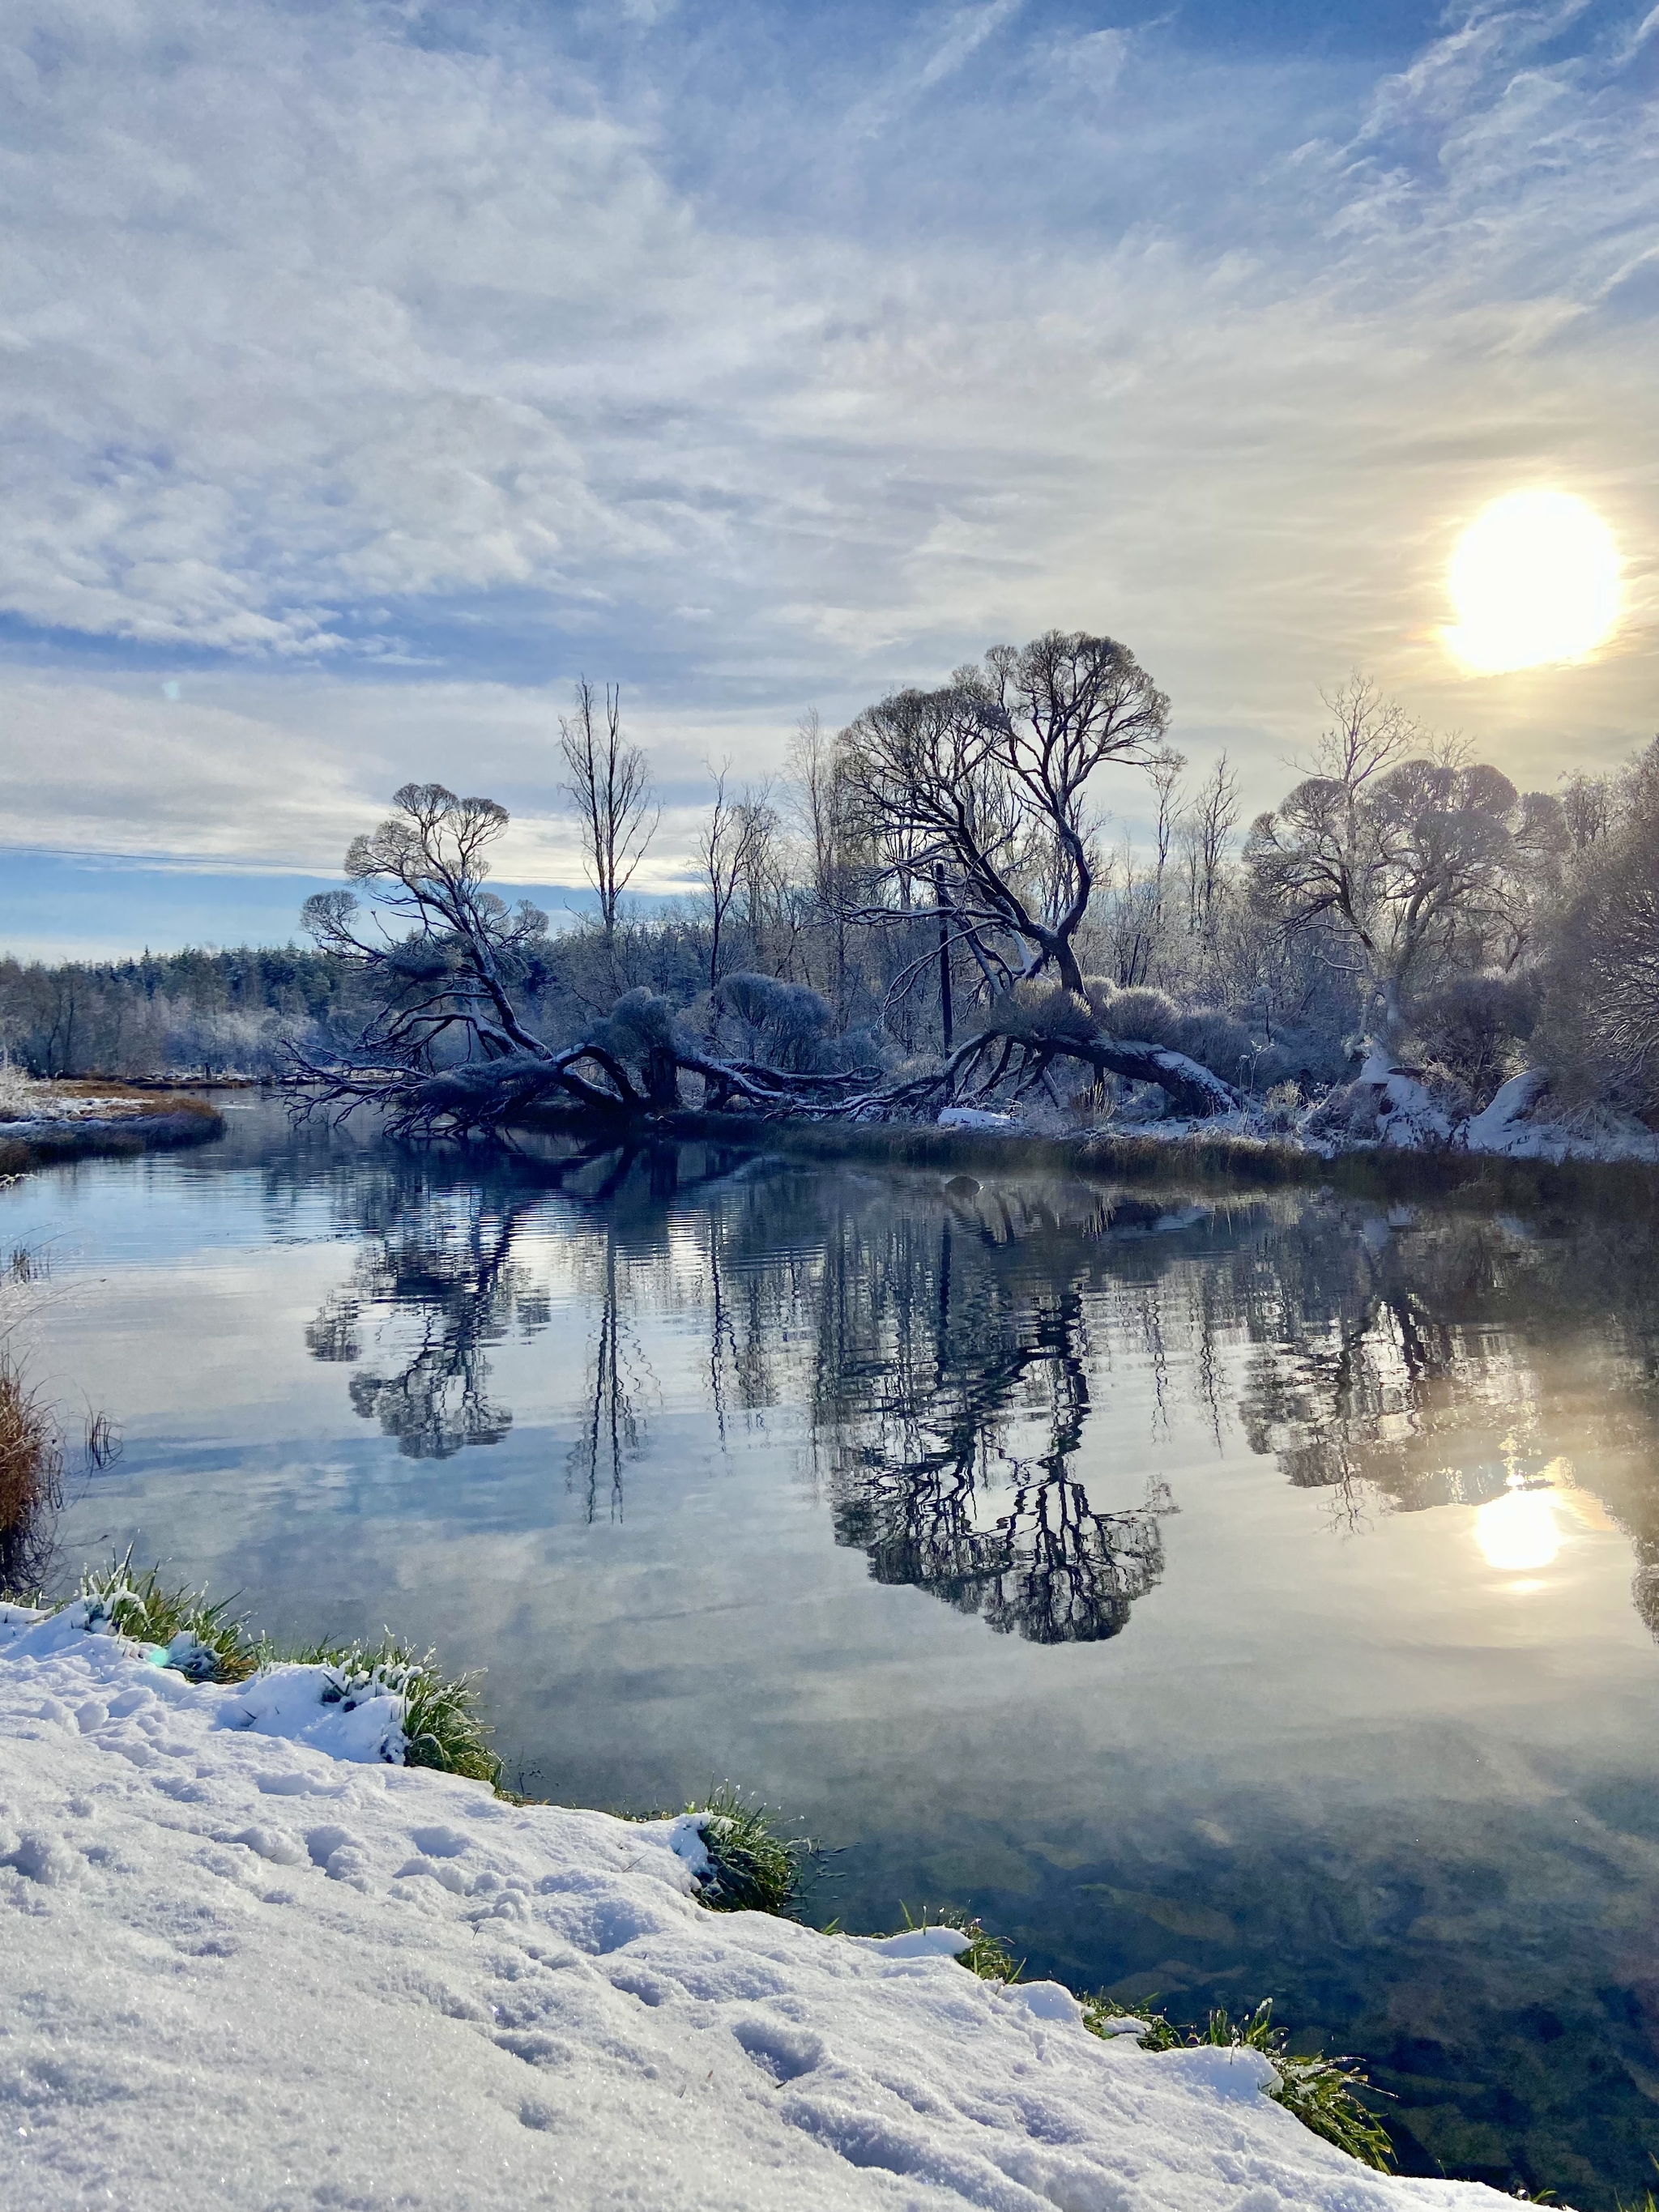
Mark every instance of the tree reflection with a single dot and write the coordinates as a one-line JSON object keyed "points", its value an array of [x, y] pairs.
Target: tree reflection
{"points": [[453, 1268], [1414, 1361], [610, 1433], [939, 1353], [930, 1381], [437, 1251]]}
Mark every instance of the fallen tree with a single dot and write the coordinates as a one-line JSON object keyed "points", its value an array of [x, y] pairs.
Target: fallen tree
{"points": [[446, 1051]]}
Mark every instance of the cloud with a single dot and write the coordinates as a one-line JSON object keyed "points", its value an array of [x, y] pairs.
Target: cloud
{"points": [[966, 32], [325, 346], [282, 780]]}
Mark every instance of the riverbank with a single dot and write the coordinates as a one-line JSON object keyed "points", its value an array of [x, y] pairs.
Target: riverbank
{"points": [[45, 1124], [1188, 1155], [321, 1978]]}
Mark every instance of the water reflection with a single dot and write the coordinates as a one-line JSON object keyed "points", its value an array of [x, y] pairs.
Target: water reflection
{"points": [[949, 1398], [446, 1263], [952, 1353], [1518, 1532], [721, 1465], [1403, 1363], [927, 1385]]}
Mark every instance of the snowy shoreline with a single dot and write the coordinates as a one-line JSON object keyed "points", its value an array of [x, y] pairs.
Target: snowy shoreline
{"points": [[253, 1964], [41, 1126]]}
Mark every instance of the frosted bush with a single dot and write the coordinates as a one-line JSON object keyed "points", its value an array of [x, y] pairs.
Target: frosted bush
{"points": [[19, 1092], [1141, 1016]]}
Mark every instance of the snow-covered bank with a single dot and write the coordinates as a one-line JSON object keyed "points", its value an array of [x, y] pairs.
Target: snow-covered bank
{"points": [[1386, 1108], [44, 1123], [245, 1963]]}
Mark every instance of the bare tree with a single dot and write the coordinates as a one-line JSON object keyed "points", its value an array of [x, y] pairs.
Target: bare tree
{"points": [[608, 783], [1404, 861], [446, 1047], [445, 1041], [719, 866], [988, 777], [1601, 1024], [1208, 825], [818, 795]]}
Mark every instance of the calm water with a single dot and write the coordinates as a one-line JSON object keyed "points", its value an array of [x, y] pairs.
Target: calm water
{"points": [[1224, 1600]]}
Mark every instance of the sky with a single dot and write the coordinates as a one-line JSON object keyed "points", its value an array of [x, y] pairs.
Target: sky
{"points": [[373, 371]]}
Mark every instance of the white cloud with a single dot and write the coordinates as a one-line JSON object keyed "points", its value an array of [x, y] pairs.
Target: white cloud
{"points": [[321, 344]]}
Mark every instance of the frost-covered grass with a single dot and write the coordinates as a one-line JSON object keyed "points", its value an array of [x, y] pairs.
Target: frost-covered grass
{"points": [[1324, 2093], [991, 1957], [20, 1092], [45, 1124], [753, 1868], [443, 1728], [202, 1639]]}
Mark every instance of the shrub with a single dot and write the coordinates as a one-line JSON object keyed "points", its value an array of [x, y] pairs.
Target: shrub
{"points": [[640, 1023], [788, 1023], [1146, 1016], [1218, 1041], [1474, 1027]]}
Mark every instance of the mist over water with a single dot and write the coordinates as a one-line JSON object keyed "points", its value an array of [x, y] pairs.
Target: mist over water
{"points": [[1225, 1600]]}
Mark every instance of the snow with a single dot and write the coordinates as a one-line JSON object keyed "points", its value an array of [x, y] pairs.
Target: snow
{"points": [[248, 1961], [975, 1117], [1395, 1104], [1512, 1125]]}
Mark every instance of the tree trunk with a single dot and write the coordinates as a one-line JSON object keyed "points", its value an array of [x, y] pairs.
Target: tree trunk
{"points": [[944, 905]]}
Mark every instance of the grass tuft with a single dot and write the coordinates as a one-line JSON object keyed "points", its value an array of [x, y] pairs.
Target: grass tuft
{"points": [[991, 1957], [752, 1868], [1322, 2093], [207, 1642], [1160, 2035], [442, 1727]]}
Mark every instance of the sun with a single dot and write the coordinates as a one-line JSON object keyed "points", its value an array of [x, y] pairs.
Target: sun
{"points": [[1534, 579]]}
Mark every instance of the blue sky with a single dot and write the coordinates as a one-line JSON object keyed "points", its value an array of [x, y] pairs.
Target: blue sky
{"points": [[372, 370]]}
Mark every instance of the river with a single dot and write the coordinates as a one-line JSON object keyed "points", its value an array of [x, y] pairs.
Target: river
{"points": [[1224, 1598]]}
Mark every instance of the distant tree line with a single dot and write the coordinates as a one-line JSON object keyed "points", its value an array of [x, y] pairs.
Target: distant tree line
{"points": [[195, 1012], [927, 907]]}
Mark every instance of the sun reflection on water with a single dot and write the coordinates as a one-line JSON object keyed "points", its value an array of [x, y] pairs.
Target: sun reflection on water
{"points": [[1518, 1532]]}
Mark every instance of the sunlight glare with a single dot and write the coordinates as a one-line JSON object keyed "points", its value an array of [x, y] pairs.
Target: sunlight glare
{"points": [[1518, 1531], [1534, 579]]}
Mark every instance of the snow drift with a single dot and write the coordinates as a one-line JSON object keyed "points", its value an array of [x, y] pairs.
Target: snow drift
{"points": [[246, 1962]]}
